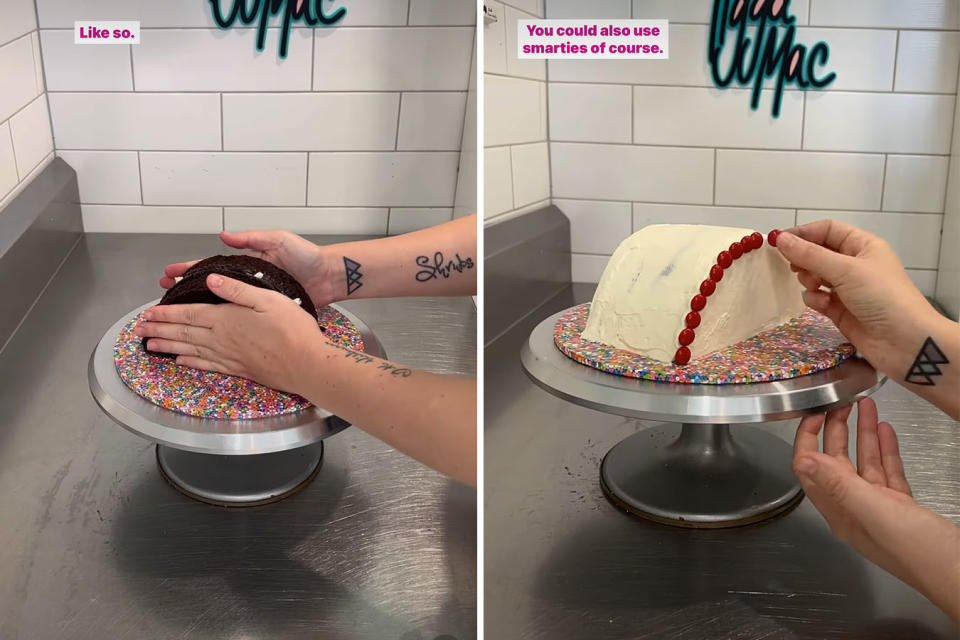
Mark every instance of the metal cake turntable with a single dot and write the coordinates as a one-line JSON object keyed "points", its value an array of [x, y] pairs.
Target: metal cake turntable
{"points": [[707, 468], [219, 461]]}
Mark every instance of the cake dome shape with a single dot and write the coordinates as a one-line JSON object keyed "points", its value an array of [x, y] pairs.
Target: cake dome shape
{"points": [[192, 287], [677, 292]]}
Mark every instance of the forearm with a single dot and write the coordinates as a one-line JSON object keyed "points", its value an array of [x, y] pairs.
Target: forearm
{"points": [[927, 360], [922, 549], [439, 261], [431, 418]]}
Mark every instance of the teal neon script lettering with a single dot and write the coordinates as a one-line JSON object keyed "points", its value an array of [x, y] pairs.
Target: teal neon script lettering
{"points": [[311, 12], [763, 47]]}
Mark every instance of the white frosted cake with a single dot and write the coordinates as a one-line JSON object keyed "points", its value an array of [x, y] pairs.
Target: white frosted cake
{"points": [[676, 292]]}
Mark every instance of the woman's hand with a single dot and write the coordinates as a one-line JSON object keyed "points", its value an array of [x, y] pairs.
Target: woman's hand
{"points": [[873, 302], [871, 297], [309, 264], [262, 336], [870, 506]]}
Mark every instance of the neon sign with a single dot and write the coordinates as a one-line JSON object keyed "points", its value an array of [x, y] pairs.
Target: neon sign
{"points": [[763, 47], [310, 12]]}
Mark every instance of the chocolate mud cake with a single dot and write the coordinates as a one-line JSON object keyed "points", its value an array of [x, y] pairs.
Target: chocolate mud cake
{"points": [[192, 287]]}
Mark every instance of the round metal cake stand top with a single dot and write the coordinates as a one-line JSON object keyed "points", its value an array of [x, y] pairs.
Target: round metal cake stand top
{"points": [[709, 468], [221, 461]]}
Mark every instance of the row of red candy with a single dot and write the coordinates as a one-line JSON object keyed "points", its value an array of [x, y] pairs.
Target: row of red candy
{"points": [[708, 286]]}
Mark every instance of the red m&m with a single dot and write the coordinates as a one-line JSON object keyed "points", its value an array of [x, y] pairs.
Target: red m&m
{"points": [[692, 320], [682, 356], [736, 250], [707, 287], [716, 273], [772, 237]]}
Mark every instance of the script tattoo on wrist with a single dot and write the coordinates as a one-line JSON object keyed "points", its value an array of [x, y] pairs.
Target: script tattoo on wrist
{"points": [[433, 268], [361, 358], [351, 269], [927, 364]]}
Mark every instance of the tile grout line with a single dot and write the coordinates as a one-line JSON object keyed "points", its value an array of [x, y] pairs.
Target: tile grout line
{"points": [[13, 148], [896, 59], [716, 168], [313, 58], [306, 187], [803, 123], [649, 145], [133, 77], [396, 137], [754, 207], [883, 181], [43, 75], [222, 148], [140, 177]]}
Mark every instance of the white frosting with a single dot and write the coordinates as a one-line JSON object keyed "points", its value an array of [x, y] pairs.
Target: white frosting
{"points": [[178, 278], [645, 292], [298, 301], [258, 274]]}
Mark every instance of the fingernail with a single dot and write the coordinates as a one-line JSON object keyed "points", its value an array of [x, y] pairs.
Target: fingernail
{"points": [[148, 314], [806, 466], [785, 239], [138, 330], [214, 280]]}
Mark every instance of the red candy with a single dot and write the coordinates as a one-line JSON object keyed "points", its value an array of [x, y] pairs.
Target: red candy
{"points": [[747, 244], [707, 287], [682, 356], [686, 337], [698, 303], [756, 240], [772, 237], [736, 250], [716, 273], [692, 320], [725, 259]]}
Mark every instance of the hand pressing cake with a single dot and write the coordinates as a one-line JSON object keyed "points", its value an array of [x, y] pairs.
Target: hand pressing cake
{"points": [[680, 292], [192, 287]]}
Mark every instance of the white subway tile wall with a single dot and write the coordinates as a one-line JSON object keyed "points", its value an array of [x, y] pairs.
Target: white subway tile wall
{"points": [[516, 153], [634, 143], [357, 131], [26, 144]]}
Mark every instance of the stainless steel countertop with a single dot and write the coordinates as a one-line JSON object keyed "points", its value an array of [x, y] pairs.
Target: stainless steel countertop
{"points": [[94, 543], [561, 562]]}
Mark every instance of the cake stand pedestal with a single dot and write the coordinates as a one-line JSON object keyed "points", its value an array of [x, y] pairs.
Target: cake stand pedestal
{"points": [[235, 463], [707, 468]]}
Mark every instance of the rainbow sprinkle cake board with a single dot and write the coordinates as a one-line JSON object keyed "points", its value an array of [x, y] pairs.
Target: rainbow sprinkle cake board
{"points": [[804, 345], [207, 394]]}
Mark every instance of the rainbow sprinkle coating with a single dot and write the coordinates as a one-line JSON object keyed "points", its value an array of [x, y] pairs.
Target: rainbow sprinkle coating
{"points": [[207, 394], [804, 345]]}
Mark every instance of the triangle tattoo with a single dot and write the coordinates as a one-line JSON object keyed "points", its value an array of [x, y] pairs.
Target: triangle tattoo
{"points": [[354, 276], [926, 366]]}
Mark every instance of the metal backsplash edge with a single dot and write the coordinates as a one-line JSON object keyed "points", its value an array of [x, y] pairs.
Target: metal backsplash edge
{"points": [[38, 230], [526, 262]]}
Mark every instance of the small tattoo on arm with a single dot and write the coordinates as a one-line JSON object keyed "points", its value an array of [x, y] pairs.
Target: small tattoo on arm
{"points": [[926, 366], [362, 358], [354, 277], [395, 371], [433, 268]]}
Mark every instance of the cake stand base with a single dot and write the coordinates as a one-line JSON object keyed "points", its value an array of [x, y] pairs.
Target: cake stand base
{"points": [[240, 480], [706, 476]]}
